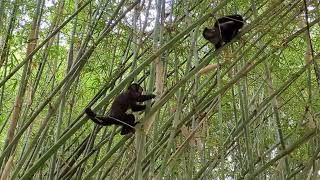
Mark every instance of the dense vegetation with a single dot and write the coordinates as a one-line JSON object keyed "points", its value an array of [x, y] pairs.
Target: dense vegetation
{"points": [[249, 110]]}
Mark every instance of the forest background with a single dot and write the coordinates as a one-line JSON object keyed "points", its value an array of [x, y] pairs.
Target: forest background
{"points": [[249, 110]]}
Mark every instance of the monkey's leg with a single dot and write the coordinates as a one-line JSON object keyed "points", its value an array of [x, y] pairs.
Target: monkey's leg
{"points": [[218, 45], [127, 129], [107, 120], [101, 120], [104, 121], [89, 112]]}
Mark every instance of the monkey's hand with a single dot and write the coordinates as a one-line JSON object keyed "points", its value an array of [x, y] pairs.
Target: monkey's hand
{"points": [[152, 96], [143, 98], [90, 113], [138, 122]]}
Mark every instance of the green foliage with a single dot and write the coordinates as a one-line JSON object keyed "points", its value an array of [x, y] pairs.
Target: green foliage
{"points": [[261, 103]]}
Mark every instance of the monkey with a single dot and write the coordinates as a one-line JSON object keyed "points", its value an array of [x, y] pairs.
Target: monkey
{"points": [[224, 30], [124, 101]]}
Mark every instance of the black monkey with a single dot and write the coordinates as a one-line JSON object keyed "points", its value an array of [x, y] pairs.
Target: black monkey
{"points": [[123, 102], [224, 30]]}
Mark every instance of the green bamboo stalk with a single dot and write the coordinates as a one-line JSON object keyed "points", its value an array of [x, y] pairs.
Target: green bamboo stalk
{"points": [[106, 157], [1, 15], [277, 92], [223, 153], [179, 105], [140, 138], [285, 152], [36, 49], [4, 41], [40, 135], [235, 132], [71, 160], [165, 97], [87, 156], [113, 164], [19, 100], [62, 105], [117, 88], [61, 108], [71, 131]]}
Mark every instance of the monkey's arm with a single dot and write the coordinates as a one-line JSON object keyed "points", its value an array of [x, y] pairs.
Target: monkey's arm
{"points": [[143, 98], [137, 107]]}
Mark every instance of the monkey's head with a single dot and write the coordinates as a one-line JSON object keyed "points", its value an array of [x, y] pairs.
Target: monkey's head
{"points": [[135, 90], [212, 35]]}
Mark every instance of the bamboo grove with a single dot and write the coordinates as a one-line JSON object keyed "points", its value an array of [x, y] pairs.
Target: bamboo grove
{"points": [[249, 110]]}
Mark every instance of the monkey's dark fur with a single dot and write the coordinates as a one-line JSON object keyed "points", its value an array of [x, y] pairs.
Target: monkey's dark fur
{"points": [[123, 102], [224, 30]]}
